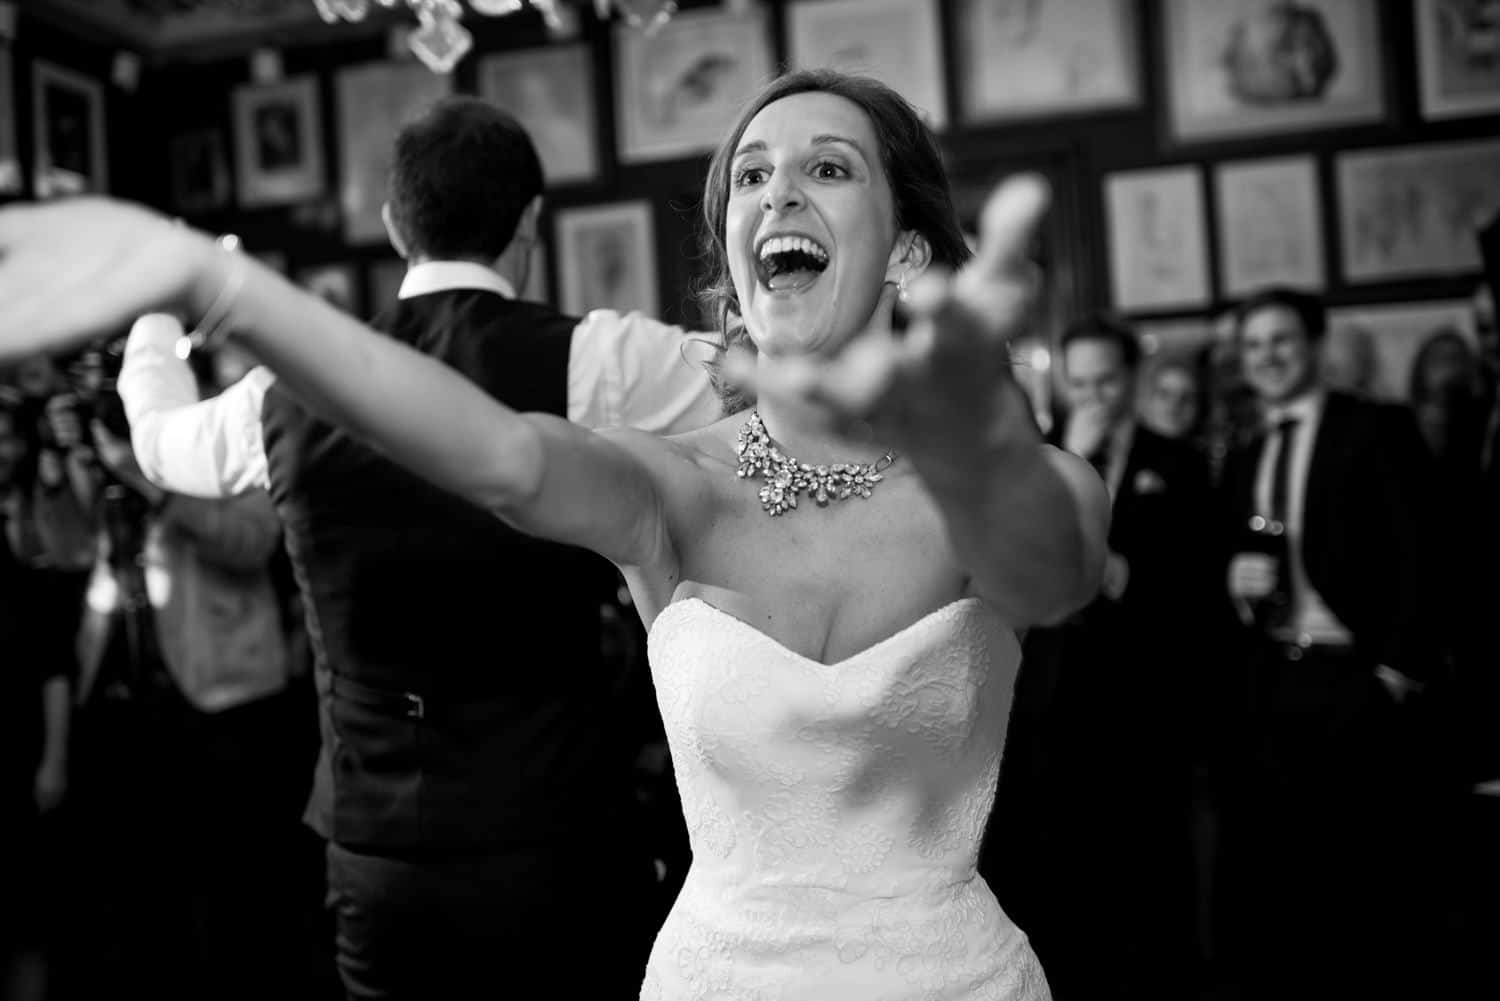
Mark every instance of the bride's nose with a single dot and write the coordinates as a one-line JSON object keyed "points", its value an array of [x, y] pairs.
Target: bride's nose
{"points": [[782, 193]]}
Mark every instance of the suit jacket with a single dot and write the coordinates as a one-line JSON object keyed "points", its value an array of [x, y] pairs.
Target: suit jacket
{"points": [[1369, 542], [464, 699]]}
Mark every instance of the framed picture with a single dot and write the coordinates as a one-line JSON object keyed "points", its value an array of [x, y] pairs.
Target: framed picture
{"points": [[1385, 340], [374, 101], [606, 258], [1270, 224], [1416, 210], [1246, 67], [68, 132], [278, 142], [1047, 57], [551, 92], [896, 41], [11, 181], [385, 284], [1458, 57], [1158, 250], [680, 83], [200, 171], [335, 283]]}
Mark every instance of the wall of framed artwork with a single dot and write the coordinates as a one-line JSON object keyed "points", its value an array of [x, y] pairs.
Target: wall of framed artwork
{"points": [[278, 142], [551, 93], [374, 101], [1158, 242], [676, 87], [897, 41], [68, 142], [606, 258], [1237, 68], [1052, 57], [1458, 62], [1415, 210], [1270, 224]]}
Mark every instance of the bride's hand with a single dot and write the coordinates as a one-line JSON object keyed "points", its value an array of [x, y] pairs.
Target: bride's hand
{"points": [[943, 392], [77, 269]]}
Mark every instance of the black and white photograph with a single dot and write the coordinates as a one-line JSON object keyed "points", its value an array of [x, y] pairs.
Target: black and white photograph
{"points": [[71, 155], [278, 140]]}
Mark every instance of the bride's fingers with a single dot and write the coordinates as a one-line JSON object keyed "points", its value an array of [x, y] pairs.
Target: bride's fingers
{"points": [[1008, 225]]}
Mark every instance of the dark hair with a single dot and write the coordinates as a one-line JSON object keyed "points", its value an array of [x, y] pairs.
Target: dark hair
{"points": [[1417, 389], [461, 175], [913, 168], [1307, 307], [1108, 330]]}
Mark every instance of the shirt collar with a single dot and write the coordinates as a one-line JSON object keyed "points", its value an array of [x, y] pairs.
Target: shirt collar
{"points": [[1305, 409], [444, 276]]}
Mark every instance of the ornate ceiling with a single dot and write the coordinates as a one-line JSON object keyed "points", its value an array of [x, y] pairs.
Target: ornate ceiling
{"points": [[178, 27]]}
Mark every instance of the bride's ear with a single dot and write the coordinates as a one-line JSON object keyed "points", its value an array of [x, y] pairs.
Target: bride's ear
{"points": [[909, 257]]}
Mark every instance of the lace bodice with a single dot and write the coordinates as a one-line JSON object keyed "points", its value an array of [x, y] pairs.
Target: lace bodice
{"points": [[835, 813]]}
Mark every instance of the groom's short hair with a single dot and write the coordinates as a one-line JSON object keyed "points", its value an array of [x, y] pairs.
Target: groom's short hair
{"points": [[461, 175]]}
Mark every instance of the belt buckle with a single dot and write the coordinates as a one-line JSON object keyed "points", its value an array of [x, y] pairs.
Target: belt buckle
{"points": [[415, 707]]}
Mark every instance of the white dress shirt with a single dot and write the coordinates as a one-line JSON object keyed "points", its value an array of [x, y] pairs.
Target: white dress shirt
{"points": [[625, 370], [1312, 620]]}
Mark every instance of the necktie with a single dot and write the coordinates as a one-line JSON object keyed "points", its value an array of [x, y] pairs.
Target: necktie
{"points": [[1281, 473], [1278, 610]]}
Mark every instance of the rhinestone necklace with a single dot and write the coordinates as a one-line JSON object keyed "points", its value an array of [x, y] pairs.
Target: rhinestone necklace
{"points": [[785, 477]]}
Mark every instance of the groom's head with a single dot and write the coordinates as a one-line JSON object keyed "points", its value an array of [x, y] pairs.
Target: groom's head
{"points": [[464, 177]]}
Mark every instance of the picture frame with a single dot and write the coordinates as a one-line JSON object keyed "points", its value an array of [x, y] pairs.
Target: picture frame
{"points": [[278, 142], [1224, 80], [897, 41], [606, 258], [1458, 69], [1396, 333], [1158, 245], [334, 283], [677, 85], [12, 181], [68, 132], [199, 171], [1051, 57], [1270, 227], [550, 92], [374, 101], [1414, 211]]}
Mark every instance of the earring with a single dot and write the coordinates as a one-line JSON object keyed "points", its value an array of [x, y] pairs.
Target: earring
{"points": [[901, 292]]}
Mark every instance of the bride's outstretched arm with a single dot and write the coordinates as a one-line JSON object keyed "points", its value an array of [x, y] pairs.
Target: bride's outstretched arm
{"points": [[76, 270]]}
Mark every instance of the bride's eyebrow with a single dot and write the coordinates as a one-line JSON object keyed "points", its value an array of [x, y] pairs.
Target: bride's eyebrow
{"points": [[834, 140]]}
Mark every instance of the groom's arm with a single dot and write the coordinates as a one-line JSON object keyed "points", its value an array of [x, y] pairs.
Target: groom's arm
{"points": [[203, 448]]}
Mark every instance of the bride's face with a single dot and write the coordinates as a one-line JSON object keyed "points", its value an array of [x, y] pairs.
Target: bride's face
{"points": [[810, 227]]}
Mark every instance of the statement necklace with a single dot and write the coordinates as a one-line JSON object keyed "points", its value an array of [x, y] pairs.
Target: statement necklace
{"points": [[785, 477]]}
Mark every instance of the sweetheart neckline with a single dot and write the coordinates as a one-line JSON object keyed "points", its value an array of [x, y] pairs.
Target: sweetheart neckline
{"points": [[775, 643]]}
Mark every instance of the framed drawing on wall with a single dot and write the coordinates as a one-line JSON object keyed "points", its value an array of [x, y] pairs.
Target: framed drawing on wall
{"points": [[551, 92], [68, 132], [606, 258], [896, 41], [11, 181], [1050, 57], [1393, 336], [278, 142], [678, 85], [1458, 57], [1270, 224], [200, 171], [374, 101], [1239, 68], [1158, 250], [1416, 210]]}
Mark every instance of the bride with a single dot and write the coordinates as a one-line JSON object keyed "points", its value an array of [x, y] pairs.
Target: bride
{"points": [[833, 581]]}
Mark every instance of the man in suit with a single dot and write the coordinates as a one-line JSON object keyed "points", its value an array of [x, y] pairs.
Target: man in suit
{"points": [[1338, 584], [478, 816], [1099, 758]]}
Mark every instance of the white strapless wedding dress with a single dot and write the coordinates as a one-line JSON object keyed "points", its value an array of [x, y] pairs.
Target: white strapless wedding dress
{"points": [[835, 814]]}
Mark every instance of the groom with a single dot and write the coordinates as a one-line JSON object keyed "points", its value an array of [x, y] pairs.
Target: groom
{"points": [[478, 818]]}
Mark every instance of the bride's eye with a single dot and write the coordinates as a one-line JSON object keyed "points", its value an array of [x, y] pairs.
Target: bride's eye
{"points": [[746, 176], [829, 170]]}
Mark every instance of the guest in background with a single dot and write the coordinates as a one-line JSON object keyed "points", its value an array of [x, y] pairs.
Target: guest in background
{"points": [[1349, 362], [1100, 759], [35, 712], [1330, 517], [1174, 405], [1446, 391]]}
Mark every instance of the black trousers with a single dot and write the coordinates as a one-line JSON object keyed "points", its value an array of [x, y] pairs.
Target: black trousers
{"points": [[563, 920], [1322, 850]]}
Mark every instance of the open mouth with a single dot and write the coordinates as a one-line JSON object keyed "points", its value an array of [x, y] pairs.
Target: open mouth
{"points": [[789, 263]]}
